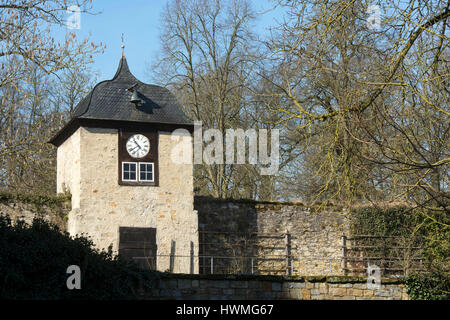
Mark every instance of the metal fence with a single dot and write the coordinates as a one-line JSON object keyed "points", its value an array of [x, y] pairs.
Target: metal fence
{"points": [[246, 253], [395, 256], [235, 265], [278, 254]]}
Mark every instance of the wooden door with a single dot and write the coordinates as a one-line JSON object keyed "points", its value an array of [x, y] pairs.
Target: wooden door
{"points": [[138, 244]]}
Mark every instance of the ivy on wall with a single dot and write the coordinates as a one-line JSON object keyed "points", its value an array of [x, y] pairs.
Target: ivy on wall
{"points": [[54, 208], [391, 221], [417, 228], [38, 200]]}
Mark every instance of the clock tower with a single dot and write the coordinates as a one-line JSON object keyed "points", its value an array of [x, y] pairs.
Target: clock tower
{"points": [[114, 157]]}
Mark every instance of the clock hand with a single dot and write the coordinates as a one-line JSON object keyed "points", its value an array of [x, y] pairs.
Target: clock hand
{"points": [[133, 148], [137, 143]]}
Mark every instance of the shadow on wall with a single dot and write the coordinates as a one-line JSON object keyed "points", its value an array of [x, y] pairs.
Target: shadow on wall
{"points": [[227, 236]]}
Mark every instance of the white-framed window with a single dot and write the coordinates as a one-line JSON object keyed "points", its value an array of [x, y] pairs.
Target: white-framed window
{"points": [[146, 171], [138, 171], [129, 171]]}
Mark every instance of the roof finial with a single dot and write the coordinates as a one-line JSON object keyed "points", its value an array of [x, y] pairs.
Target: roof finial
{"points": [[123, 47]]}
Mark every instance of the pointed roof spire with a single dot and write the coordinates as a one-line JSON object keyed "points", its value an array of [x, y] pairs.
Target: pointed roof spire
{"points": [[123, 47], [109, 103], [123, 71]]}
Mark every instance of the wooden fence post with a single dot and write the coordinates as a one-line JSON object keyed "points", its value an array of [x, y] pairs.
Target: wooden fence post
{"points": [[172, 256], [344, 254], [288, 252], [252, 264], [192, 258]]}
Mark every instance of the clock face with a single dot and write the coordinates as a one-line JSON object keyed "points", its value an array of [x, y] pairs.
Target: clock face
{"points": [[138, 146]]}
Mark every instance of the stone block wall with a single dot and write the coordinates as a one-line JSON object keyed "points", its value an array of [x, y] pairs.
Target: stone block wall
{"points": [[315, 234], [202, 287]]}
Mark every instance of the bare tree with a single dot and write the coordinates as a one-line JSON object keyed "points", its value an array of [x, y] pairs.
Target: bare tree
{"points": [[41, 80], [209, 58], [29, 118], [369, 104], [25, 37]]}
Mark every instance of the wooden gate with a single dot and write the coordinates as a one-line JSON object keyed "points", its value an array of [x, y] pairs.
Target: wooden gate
{"points": [[138, 244]]}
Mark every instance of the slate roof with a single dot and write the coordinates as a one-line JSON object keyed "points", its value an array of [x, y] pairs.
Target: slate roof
{"points": [[110, 100]]}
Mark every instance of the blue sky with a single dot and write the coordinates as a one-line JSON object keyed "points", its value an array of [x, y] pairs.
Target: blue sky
{"points": [[139, 21]]}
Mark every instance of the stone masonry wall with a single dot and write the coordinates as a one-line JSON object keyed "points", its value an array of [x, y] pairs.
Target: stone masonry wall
{"points": [[68, 174], [206, 287], [315, 234]]}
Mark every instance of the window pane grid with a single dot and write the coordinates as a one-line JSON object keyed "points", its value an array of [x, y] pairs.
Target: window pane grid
{"points": [[129, 171], [137, 171], [146, 172]]}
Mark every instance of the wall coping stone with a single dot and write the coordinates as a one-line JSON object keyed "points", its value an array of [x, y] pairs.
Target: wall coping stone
{"points": [[276, 278], [269, 203]]}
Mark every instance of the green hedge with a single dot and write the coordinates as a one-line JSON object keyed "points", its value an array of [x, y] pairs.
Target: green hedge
{"points": [[34, 260], [434, 286]]}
